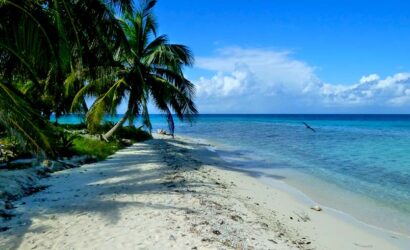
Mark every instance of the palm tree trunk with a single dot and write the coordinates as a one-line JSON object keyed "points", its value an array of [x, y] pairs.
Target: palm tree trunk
{"points": [[85, 108], [170, 120], [116, 126]]}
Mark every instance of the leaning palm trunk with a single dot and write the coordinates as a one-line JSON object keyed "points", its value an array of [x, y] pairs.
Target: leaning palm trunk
{"points": [[149, 68], [107, 135], [170, 121]]}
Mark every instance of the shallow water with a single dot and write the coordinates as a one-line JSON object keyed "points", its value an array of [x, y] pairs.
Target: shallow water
{"points": [[360, 158]]}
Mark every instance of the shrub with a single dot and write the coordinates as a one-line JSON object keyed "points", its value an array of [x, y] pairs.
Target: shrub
{"points": [[133, 133], [64, 142], [98, 148]]}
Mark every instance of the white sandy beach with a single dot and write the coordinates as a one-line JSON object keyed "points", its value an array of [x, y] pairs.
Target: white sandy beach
{"points": [[174, 194]]}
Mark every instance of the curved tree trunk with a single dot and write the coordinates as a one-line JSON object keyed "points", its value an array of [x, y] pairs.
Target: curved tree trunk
{"points": [[107, 135], [170, 120], [84, 105]]}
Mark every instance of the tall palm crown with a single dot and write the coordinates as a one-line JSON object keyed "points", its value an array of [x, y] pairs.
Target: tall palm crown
{"points": [[48, 49], [152, 69]]}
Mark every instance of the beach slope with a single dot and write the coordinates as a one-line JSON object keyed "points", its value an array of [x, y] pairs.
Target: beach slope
{"points": [[172, 194]]}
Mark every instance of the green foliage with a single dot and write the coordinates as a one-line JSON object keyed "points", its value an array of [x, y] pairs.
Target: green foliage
{"points": [[124, 132], [56, 53], [23, 122], [150, 68], [99, 129], [98, 148], [11, 148], [68, 143], [64, 142], [48, 51], [133, 133]]}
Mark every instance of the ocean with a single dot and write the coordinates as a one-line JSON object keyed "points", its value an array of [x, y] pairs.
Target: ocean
{"points": [[356, 164]]}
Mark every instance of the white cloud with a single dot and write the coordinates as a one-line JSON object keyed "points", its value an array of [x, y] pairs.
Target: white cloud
{"points": [[265, 81], [271, 71], [234, 83], [369, 78], [373, 91]]}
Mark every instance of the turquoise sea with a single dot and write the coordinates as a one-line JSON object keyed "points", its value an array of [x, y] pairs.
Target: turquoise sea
{"points": [[358, 164]]}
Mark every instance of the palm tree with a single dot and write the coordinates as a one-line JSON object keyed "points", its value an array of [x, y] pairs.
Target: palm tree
{"points": [[151, 69], [48, 50], [19, 119]]}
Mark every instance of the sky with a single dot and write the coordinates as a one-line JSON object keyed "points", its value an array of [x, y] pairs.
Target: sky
{"points": [[277, 56]]}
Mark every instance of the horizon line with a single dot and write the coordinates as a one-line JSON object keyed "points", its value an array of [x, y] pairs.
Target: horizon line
{"points": [[270, 114]]}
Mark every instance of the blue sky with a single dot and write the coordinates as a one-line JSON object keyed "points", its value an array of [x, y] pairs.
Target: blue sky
{"points": [[266, 56]]}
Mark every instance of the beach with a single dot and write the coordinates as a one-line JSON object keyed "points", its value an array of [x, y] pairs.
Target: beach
{"points": [[290, 130], [175, 194]]}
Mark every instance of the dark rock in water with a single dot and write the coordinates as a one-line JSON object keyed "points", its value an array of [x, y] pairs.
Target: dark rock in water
{"points": [[3, 229]]}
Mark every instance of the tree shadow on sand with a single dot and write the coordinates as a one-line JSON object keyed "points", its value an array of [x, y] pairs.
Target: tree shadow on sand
{"points": [[145, 168]]}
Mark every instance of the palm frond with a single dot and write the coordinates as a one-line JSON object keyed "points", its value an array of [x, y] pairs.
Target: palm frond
{"points": [[103, 104], [17, 116]]}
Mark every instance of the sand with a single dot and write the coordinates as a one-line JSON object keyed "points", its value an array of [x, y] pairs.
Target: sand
{"points": [[174, 194]]}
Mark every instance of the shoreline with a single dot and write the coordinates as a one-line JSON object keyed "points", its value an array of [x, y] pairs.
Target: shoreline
{"points": [[348, 212], [173, 194], [297, 193], [299, 184]]}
